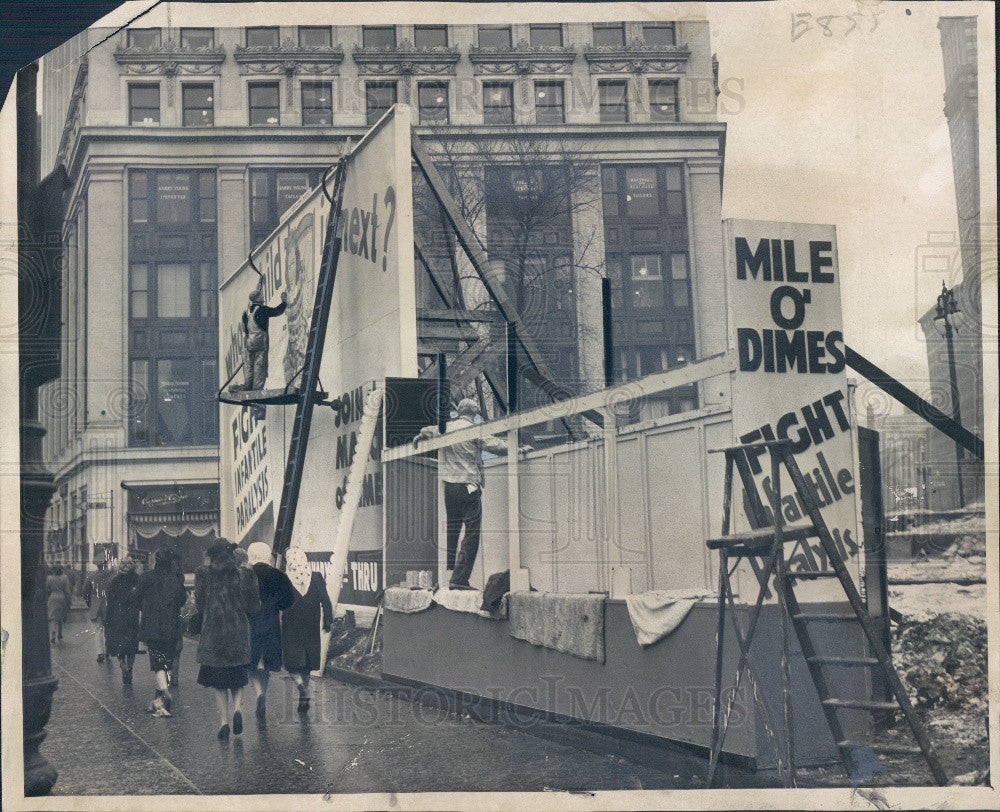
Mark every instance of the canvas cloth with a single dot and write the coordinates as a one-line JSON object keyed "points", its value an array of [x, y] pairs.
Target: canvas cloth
{"points": [[657, 613], [467, 600], [573, 624], [407, 601]]}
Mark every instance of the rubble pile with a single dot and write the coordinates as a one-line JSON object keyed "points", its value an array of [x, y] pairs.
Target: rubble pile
{"points": [[943, 661], [350, 648]]}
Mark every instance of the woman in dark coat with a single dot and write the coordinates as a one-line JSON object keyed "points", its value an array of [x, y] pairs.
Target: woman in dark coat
{"points": [[300, 622], [160, 596], [276, 595], [225, 594], [58, 600], [121, 624]]}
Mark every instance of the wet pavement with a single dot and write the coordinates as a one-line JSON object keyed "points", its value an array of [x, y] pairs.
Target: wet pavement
{"points": [[354, 739]]}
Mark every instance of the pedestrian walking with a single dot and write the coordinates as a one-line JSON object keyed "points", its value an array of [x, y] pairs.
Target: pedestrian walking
{"points": [[58, 600], [121, 627], [160, 596], [300, 622], [225, 595], [96, 596], [276, 595]]}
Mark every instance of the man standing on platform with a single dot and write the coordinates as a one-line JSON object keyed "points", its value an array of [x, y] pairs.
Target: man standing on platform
{"points": [[255, 341], [461, 467]]}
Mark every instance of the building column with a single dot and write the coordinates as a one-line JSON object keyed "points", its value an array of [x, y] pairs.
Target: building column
{"points": [[107, 303], [233, 220], [588, 262], [708, 278]]}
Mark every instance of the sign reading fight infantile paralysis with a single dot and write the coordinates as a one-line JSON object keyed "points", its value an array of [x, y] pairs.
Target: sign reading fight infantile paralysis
{"points": [[371, 335], [783, 288]]}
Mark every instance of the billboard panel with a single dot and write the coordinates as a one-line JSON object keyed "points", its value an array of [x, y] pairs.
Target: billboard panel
{"points": [[785, 325], [371, 335]]}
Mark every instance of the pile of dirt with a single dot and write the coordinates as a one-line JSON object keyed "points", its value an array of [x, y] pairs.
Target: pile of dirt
{"points": [[943, 661]]}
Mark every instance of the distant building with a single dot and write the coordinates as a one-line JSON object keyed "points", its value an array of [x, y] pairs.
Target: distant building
{"points": [[903, 443], [185, 145], [961, 108]]}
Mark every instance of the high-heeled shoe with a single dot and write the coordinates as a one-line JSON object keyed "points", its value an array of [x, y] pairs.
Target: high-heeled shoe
{"points": [[224, 731], [237, 723]]}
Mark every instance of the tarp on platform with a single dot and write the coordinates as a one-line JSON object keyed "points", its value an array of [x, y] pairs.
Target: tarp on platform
{"points": [[572, 624]]}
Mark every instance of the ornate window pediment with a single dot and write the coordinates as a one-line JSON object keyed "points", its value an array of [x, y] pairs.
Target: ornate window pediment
{"points": [[289, 58], [522, 58], [636, 57], [406, 59], [169, 59]]}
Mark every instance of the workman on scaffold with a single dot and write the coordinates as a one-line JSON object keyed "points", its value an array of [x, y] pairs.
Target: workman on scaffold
{"points": [[255, 341]]}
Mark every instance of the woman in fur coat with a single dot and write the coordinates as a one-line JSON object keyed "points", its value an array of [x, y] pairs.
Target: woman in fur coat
{"points": [[121, 625], [225, 595], [160, 595]]}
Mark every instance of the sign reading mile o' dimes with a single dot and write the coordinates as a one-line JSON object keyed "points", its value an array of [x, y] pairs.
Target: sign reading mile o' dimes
{"points": [[786, 327]]}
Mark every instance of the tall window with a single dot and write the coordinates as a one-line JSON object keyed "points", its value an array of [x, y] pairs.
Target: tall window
{"points": [[430, 36], [645, 232], [432, 100], [272, 191], [198, 105], [144, 104], [263, 104], [172, 282], [494, 36], [549, 104], [543, 35], [263, 37], [378, 36], [317, 104], [613, 100], [197, 38], [144, 38], [315, 36], [609, 34], [663, 100], [379, 97], [498, 103], [659, 34]]}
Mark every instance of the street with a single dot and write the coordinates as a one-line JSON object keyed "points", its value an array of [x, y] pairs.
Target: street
{"points": [[354, 739]]}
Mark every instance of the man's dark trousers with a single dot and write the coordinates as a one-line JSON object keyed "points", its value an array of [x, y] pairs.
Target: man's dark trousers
{"points": [[462, 509]]}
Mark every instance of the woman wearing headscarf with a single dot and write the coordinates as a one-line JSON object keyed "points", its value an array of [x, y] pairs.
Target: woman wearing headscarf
{"points": [[300, 622], [121, 624], [225, 595], [58, 601], [276, 595], [160, 596]]}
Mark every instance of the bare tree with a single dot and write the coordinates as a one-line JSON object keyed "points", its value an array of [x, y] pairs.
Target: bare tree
{"points": [[535, 209]]}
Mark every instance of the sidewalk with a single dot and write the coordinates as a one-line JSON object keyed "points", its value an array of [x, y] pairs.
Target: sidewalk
{"points": [[353, 740]]}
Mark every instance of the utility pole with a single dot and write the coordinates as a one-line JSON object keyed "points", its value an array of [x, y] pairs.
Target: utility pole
{"points": [[945, 308]]}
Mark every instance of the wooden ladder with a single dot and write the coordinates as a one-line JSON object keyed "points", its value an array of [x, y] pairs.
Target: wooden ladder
{"points": [[764, 549]]}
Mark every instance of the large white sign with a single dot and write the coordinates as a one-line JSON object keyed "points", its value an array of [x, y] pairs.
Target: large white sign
{"points": [[783, 289], [371, 334]]}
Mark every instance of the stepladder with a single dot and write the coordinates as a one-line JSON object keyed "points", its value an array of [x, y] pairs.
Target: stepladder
{"points": [[764, 548]]}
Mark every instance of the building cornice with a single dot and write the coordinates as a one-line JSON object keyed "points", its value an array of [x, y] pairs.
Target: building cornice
{"points": [[169, 59], [74, 112], [636, 57], [406, 60], [522, 59], [288, 59]]}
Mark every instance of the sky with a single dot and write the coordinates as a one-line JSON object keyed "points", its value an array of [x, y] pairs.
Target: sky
{"points": [[847, 129], [836, 121]]}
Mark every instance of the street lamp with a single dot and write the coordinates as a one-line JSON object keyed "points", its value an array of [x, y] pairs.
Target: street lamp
{"points": [[946, 307]]}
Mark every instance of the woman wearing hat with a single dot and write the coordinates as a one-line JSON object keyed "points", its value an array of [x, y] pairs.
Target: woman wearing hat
{"points": [[160, 595], [121, 624], [58, 601], [225, 594]]}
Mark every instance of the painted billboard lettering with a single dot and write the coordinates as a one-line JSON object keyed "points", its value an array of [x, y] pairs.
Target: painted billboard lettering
{"points": [[371, 334], [783, 287]]}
